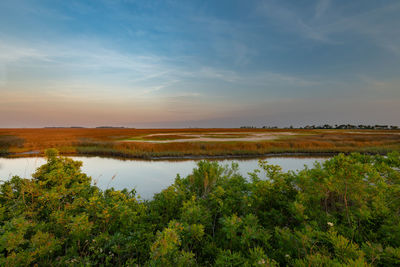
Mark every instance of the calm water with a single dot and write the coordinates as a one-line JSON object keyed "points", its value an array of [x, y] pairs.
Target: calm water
{"points": [[147, 177]]}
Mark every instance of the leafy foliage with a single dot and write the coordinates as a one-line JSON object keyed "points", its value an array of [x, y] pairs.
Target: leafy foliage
{"points": [[344, 212]]}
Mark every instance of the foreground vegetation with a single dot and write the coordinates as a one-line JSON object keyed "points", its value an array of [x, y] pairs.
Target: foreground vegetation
{"points": [[133, 143], [344, 212]]}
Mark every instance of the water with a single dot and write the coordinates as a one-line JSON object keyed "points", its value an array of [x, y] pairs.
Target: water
{"points": [[147, 177]]}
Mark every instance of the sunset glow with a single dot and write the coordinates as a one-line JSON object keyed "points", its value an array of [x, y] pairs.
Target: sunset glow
{"points": [[199, 63]]}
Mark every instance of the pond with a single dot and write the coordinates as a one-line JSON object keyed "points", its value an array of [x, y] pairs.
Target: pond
{"points": [[145, 176]]}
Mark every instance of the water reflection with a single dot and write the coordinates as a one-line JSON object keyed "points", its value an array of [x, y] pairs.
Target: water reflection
{"points": [[147, 177]]}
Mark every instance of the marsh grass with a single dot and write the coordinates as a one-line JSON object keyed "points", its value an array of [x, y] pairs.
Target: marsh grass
{"points": [[107, 142], [164, 137], [8, 141]]}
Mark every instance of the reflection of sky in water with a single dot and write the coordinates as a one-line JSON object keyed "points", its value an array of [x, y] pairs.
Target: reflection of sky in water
{"points": [[147, 177]]}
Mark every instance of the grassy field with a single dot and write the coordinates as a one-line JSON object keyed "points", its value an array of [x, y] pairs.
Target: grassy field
{"points": [[153, 143]]}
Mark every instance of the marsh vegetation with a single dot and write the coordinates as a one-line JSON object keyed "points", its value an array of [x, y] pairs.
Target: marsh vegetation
{"points": [[175, 143]]}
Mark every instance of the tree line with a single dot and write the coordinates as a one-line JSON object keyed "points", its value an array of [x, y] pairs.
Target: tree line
{"points": [[328, 126]]}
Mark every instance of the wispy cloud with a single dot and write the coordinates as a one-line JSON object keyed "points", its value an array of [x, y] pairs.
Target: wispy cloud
{"points": [[174, 61], [83, 60], [292, 21], [377, 24], [13, 52]]}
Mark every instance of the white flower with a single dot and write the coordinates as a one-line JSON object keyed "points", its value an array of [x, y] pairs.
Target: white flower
{"points": [[330, 224], [262, 261]]}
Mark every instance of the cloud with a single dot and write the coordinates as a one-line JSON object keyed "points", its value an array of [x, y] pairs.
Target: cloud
{"points": [[292, 21], [177, 61], [375, 23], [12, 52], [79, 63], [83, 66]]}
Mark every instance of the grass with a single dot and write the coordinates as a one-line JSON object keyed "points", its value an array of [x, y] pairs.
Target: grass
{"points": [[107, 142], [160, 137], [224, 135], [7, 141]]}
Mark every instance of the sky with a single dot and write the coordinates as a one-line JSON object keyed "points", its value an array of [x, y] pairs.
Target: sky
{"points": [[225, 63]]}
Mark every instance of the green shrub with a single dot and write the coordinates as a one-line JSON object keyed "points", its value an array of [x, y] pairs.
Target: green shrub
{"points": [[344, 212]]}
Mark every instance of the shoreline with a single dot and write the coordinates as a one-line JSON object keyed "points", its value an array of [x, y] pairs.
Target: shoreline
{"points": [[29, 154]]}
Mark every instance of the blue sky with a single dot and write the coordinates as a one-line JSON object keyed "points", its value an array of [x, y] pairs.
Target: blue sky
{"points": [[199, 63]]}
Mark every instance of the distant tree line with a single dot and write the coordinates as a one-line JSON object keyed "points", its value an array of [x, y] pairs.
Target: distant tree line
{"points": [[350, 126], [336, 126]]}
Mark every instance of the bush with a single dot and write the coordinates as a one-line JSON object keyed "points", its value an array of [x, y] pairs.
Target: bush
{"points": [[344, 212]]}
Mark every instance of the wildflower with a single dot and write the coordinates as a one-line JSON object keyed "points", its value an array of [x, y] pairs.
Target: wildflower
{"points": [[330, 224], [262, 261]]}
